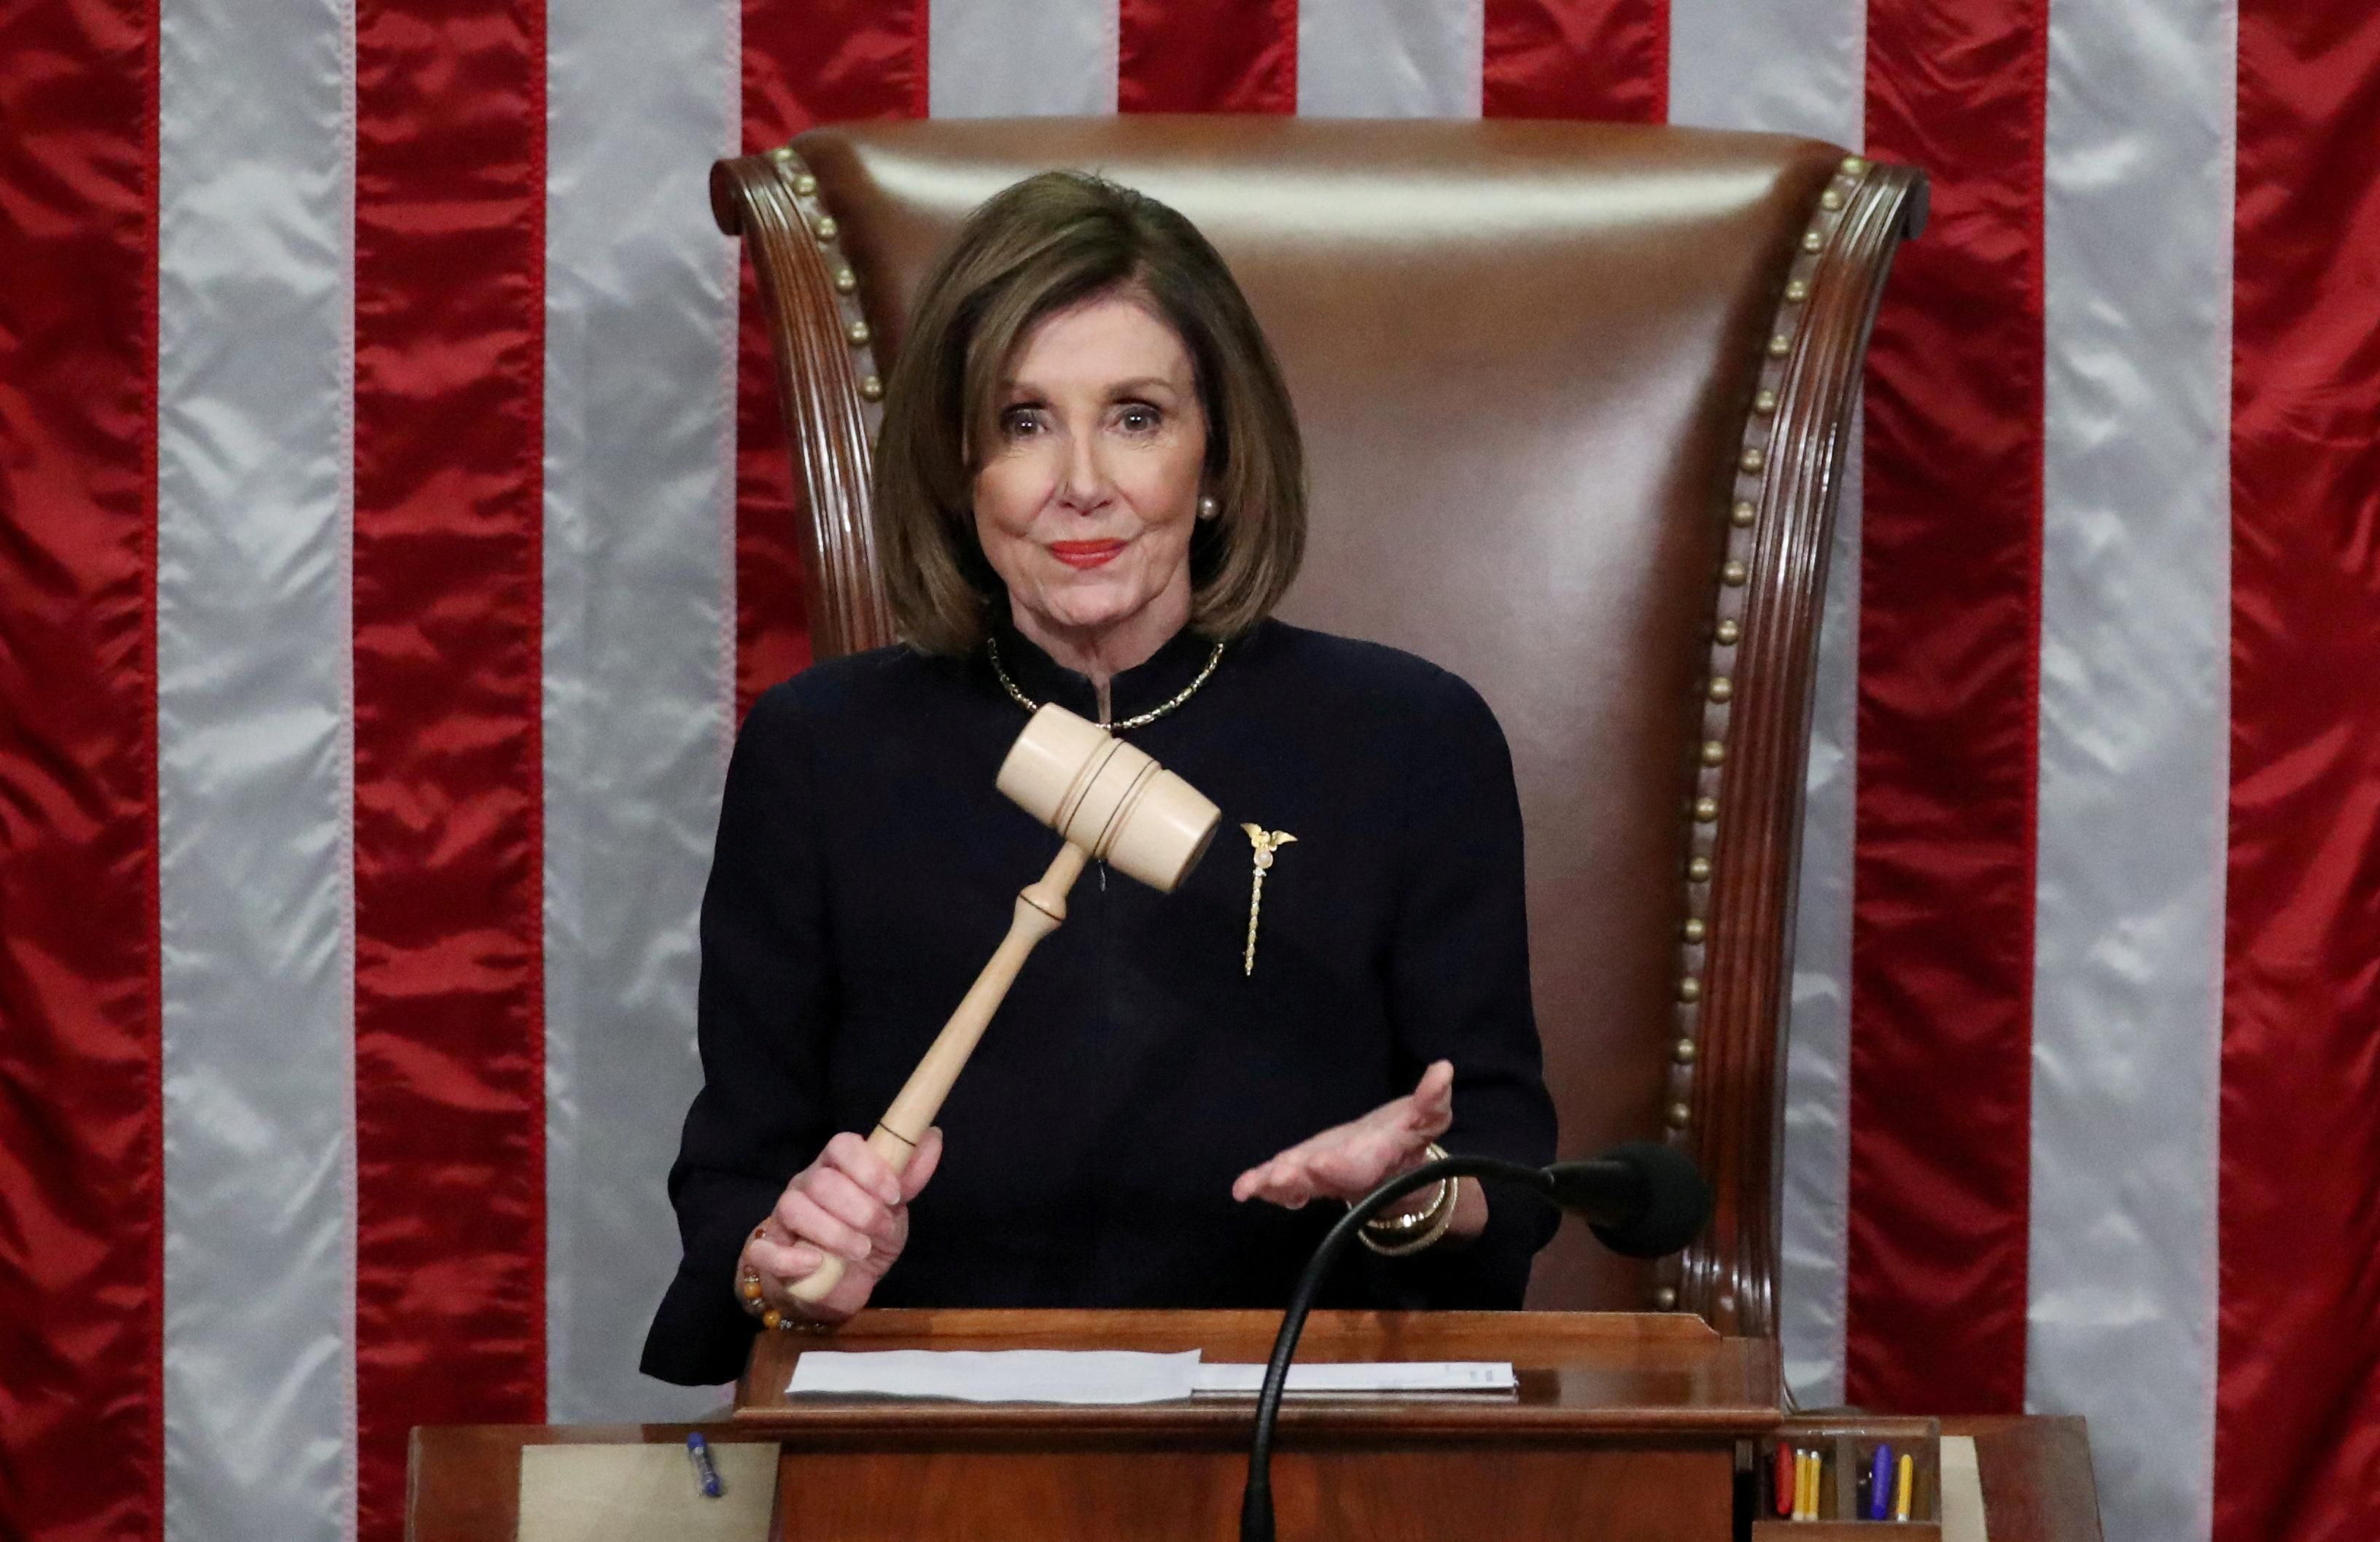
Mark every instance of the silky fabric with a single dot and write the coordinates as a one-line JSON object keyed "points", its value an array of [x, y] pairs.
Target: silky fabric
{"points": [[2298, 1404], [638, 682], [1055, 56], [1607, 60], [1950, 621], [254, 797], [1388, 58], [2134, 631], [868, 866], [80, 1248], [1232, 56], [450, 1094]]}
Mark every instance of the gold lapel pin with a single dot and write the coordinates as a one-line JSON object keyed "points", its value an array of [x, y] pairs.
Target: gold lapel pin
{"points": [[1266, 842]]}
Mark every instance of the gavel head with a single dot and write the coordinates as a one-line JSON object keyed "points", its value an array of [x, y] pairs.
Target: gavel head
{"points": [[1108, 797]]}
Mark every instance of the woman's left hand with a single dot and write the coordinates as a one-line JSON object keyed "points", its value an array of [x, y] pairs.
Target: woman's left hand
{"points": [[1348, 1161]]}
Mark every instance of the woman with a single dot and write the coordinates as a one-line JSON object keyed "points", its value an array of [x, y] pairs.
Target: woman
{"points": [[1089, 490]]}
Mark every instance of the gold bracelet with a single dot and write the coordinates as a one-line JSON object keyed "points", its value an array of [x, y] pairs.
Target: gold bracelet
{"points": [[1396, 1226], [1395, 1238]]}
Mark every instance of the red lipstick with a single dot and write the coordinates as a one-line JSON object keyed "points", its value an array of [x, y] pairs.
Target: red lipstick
{"points": [[1085, 553]]}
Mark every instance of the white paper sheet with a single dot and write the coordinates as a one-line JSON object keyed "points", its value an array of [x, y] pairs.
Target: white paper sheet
{"points": [[1962, 1491], [1393, 1376], [1098, 1376], [1104, 1376]]}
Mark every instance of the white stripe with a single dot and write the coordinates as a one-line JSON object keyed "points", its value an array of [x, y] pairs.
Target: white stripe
{"points": [[1051, 56], [1801, 69], [254, 779], [1817, 1055], [2134, 733], [1798, 68], [1390, 58], [638, 698]]}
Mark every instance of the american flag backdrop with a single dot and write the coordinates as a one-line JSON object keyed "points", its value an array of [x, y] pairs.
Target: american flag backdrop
{"points": [[396, 516]]}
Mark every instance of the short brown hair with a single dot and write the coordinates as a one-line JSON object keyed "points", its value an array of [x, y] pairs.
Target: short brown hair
{"points": [[1048, 243]]}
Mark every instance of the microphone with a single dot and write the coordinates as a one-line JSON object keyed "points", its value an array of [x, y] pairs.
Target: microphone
{"points": [[1641, 1200]]}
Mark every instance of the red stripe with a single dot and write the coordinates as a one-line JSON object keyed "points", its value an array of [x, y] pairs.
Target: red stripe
{"points": [[1949, 612], [1606, 59], [81, 1201], [1224, 57], [2297, 1445], [805, 61], [450, 1101]]}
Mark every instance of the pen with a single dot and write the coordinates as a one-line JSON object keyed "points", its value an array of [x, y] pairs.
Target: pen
{"points": [[1901, 1491], [697, 1451], [1879, 1492], [1785, 1475]]}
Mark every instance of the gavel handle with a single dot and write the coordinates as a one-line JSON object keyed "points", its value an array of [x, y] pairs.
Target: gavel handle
{"points": [[1040, 906]]}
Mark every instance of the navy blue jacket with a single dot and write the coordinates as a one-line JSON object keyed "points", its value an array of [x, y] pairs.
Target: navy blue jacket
{"points": [[866, 867]]}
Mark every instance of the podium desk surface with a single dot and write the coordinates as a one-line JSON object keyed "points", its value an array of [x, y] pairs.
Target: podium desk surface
{"points": [[1580, 1373]]}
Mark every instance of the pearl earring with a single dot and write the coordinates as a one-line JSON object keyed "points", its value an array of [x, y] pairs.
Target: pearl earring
{"points": [[1209, 508]]}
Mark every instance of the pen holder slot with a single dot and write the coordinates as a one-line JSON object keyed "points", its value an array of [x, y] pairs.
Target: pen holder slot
{"points": [[1846, 1449]]}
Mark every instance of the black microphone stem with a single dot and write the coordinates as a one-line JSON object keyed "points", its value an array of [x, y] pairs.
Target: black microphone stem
{"points": [[1256, 1501]]}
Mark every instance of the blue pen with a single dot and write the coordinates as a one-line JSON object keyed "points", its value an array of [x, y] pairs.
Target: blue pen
{"points": [[697, 1449], [1879, 1498]]}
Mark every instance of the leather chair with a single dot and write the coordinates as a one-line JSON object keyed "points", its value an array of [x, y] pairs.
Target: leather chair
{"points": [[1576, 400]]}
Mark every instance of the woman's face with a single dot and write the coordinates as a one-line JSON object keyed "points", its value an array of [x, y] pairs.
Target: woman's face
{"points": [[1084, 502]]}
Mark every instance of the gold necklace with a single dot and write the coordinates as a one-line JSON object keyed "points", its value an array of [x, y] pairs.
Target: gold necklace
{"points": [[1141, 720]]}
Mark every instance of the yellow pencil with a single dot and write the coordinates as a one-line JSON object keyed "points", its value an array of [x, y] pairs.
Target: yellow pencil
{"points": [[1901, 1489]]}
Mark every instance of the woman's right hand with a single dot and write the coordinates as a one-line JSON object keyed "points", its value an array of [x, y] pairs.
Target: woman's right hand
{"points": [[849, 1203]]}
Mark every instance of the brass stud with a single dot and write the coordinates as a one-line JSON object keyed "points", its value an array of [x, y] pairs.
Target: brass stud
{"points": [[1765, 403], [1830, 199], [1797, 291], [771, 1317], [1854, 167], [872, 388], [857, 331], [1699, 870], [1814, 240], [1705, 810], [805, 184], [1733, 575], [1753, 459], [1693, 930], [826, 227], [845, 281], [1714, 752], [1684, 1053], [1666, 1298], [1722, 689], [781, 154], [1690, 991], [1745, 512], [1779, 346], [1679, 1116], [1728, 631]]}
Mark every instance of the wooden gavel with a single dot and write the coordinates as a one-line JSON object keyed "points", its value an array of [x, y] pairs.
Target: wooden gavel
{"points": [[1111, 803]]}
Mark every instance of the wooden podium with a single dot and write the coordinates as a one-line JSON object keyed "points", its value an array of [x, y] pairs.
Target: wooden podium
{"points": [[1624, 1426]]}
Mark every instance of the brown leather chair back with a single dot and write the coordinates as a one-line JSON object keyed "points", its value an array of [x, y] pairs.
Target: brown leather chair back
{"points": [[1575, 399]]}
